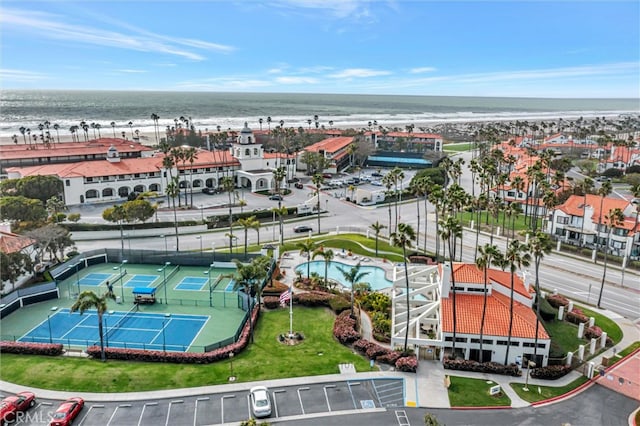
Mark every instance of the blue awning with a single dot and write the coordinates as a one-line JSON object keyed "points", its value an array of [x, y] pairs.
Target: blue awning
{"points": [[144, 290]]}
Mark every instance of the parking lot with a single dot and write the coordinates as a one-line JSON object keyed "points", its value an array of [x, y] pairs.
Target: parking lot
{"points": [[224, 408]]}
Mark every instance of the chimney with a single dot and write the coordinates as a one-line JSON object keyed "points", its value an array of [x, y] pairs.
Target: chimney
{"points": [[446, 281]]}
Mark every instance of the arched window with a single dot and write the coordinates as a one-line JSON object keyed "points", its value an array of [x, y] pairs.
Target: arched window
{"points": [[247, 152], [249, 139], [255, 151], [107, 192], [123, 191], [92, 193], [154, 187], [197, 183], [138, 188]]}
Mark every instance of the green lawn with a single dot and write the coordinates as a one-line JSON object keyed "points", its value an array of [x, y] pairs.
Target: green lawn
{"points": [[354, 243], [518, 223], [466, 392], [540, 393], [606, 324], [458, 147], [267, 358]]}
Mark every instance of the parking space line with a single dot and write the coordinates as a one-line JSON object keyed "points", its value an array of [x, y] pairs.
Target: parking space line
{"points": [[195, 411], [143, 408], [300, 398], [87, 414], [177, 401], [351, 392], [401, 417], [47, 403], [275, 400], [222, 405], [327, 396], [111, 418]]}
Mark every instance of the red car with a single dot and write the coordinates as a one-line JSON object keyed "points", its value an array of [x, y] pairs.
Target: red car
{"points": [[12, 405], [67, 411]]}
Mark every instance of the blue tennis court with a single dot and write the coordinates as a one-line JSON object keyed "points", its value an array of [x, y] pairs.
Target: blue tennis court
{"points": [[192, 283], [141, 280], [94, 279], [134, 330], [229, 287]]}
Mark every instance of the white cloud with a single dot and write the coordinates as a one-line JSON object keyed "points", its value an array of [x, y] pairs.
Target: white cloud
{"points": [[53, 26], [296, 80], [359, 73], [13, 75], [337, 8], [421, 70]]}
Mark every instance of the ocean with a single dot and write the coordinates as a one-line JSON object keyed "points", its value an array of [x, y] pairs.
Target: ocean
{"points": [[230, 110]]}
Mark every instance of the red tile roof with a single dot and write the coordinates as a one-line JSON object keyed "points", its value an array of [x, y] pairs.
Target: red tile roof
{"points": [[330, 145], [13, 243], [471, 274], [469, 317], [67, 149], [574, 206]]}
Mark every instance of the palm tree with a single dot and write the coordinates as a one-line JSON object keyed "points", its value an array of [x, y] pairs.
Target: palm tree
{"points": [[615, 218], [88, 300], [190, 155], [402, 238], [306, 248], [450, 231], [260, 120], [113, 127], [387, 181], [353, 276], [540, 244], [327, 255], [247, 223], [251, 277], [377, 227], [269, 123], [155, 117], [604, 190], [228, 186], [436, 198], [173, 191], [515, 257], [56, 127], [130, 124], [318, 180], [281, 212], [487, 255]]}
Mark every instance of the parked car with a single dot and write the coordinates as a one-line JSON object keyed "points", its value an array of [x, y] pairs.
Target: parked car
{"points": [[260, 402], [377, 183], [602, 179], [302, 228], [327, 175], [12, 405], [276, 197], [299, 185], [67, 412], [376, 174], [210, 191]]}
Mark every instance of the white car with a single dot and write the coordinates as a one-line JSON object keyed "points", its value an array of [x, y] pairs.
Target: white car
{"points": [[260, 402]]}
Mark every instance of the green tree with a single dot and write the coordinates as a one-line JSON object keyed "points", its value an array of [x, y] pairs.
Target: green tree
{"points": [[318, 180], [116, 214], [73, 217], [39, 187], [539, 245], [228, 186], [353, 276], [250, 277], [12, 266], [306, 248], [247, 223], [138, 210], [20, 208], [515, 258], [402, 238], [327, 256], [377, 227], [450, 230], [281, 212], [89, 300]]}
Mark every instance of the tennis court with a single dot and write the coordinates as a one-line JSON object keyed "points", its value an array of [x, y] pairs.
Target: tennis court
{"points": [[192, 284], [139, 280], [132, 329], [94, 279]]}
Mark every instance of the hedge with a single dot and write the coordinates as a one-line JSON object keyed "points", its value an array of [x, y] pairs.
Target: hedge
{"points": [[482, 367], [27, 348]]}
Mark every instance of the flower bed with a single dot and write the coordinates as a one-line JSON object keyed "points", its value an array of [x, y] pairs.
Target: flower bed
{"points": [[557, 300], [484, 367], [550, 372], [27, 348], [576, 316], [344, 328]]}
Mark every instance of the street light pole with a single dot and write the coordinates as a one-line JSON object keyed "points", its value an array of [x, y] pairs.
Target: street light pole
{"points": [[213, 250], [124, 262], [49, 324], [208, 273], [530, 365], [78, 275], [199, 237], [165, 243], [164, 275]]}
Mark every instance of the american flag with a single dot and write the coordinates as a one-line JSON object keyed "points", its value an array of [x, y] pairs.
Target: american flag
{"points": [[285, 297]]}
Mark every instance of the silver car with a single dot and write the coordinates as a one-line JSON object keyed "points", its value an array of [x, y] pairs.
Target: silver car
{"points": [[260, 402]]}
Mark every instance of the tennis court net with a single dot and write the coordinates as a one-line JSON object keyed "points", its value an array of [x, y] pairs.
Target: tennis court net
{"points": [[121, 321], [168, 277]]}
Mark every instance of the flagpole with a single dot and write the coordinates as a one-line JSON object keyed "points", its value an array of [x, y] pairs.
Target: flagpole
{"points": [[290, 310]]}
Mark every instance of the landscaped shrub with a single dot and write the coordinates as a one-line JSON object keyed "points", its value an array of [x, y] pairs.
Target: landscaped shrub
{"points": [[547, 312], [344, 328], [576, 316], [557, 300], [595, 332], [407, 364], [374, 351], [313, 298], [362, 345], [339, 304], [484, 367], [389, 358], [271, 302], [550, 372], [26, 348]]}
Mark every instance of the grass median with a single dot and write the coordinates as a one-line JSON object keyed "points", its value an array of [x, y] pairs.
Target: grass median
{"points": [[267, 358], [467, 392]]}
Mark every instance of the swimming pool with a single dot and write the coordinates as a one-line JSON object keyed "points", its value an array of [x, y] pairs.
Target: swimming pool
{"points": [[375, 277]]}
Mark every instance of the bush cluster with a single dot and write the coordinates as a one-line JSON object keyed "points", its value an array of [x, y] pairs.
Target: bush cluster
{"points": [[178, 357], [408, 364], [595, 332], [339, 304], [557, 300], [482, 367], [550, 372], [576, 316], [27, 348], [271, 302], [344, 328], [313, 298], [383, 355]]}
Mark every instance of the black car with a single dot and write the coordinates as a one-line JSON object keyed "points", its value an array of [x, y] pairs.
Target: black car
{"points": [[302, 228], [276, 197], [299, 185], [210, 191], [376, 174]]}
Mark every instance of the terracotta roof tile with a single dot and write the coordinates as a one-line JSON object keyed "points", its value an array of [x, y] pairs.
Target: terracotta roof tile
{"points": [[469, 317], [471, 274], [67, 149], [330, 145], [13, 243]]}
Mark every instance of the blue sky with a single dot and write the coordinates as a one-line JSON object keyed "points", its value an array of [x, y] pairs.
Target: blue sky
{"points": [[478, 48]]}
